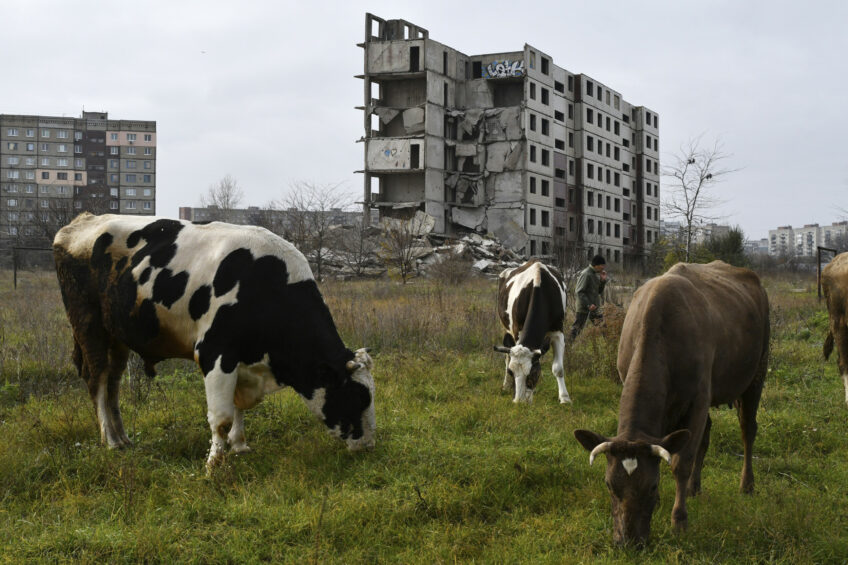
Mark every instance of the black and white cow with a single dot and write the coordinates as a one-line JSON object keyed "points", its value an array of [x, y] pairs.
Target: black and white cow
{"points": [[238, 300], [531, 307]]}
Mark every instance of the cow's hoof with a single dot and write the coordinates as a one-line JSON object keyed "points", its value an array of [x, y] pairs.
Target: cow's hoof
{"points": [[564, 400], [243, 448]]}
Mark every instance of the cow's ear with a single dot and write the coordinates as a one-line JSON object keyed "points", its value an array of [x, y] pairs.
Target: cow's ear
{"points": [[508, 340], [675, 441], [589, 440]]}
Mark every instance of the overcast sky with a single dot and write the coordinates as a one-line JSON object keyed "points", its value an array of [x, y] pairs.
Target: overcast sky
{"points": [[265, 90]]}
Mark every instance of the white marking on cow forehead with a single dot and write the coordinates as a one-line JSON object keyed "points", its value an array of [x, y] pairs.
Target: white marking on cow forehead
{"points": [[629, 464]]}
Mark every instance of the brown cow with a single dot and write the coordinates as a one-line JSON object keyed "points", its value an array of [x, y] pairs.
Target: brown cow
{"points": [[694, 337], [834, 280]]}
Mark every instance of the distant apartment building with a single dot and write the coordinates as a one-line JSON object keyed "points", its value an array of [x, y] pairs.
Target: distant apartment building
{"points": [[507, 143], [803, 241], [52, 168]]}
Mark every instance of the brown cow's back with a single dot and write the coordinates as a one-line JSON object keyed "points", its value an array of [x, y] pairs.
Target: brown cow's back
{"points": [[693, 316]]}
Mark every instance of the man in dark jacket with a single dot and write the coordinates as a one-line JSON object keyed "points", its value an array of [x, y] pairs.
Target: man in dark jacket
{"points": [[590, 285]]}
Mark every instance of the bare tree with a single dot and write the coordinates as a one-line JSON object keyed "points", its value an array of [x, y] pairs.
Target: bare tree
{"points": [[693, 173], [399, 246], [222, 197], [310, 210], [356, 246]]}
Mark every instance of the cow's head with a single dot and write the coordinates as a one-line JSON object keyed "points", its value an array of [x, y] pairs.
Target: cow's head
{"points": [[523, 364], [632, 477], [347, 407]]}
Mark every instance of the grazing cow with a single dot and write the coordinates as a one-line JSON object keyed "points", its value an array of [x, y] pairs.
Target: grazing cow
{"points": [[531, 307], [238, 300], [834, 281], [694, 337]]}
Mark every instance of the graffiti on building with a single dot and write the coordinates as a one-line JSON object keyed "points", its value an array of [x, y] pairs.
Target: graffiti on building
{"points": [[504, 69]]}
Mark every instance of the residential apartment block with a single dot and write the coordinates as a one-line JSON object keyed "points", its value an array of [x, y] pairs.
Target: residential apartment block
{"points": [[52, 168], [786, 240], [509, 143]]}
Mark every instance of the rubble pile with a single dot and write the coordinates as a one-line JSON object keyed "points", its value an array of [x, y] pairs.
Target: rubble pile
{"points": [[364, 255]]}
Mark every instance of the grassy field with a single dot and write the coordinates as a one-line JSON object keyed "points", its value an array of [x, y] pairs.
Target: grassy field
{"points": [[460, 474]]}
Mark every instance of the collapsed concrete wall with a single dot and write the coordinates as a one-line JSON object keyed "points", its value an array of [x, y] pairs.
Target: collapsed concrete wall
{"points": [[487, 188]]}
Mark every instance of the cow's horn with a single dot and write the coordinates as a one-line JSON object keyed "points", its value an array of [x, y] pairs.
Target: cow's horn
{"points": [[660, 451], [352, 366], [600, 448], [501, 349]]}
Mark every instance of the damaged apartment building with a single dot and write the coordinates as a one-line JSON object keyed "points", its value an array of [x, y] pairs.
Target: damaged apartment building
{"points": [[550, 162]]}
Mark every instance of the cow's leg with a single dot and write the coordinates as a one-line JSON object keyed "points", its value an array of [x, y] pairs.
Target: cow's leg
{"points": [[694, 486], [118, 354], [558, 369], [238, 444], [95, 368], [842, 356], [747, 411], [683, 461], [220, 388], [509, 382]]}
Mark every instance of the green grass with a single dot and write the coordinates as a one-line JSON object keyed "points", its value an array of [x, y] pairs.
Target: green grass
{"points": [[459, 474]]}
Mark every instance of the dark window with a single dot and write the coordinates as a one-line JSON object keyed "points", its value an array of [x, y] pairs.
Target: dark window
{"points": [[590, 117], [532, 122], [571, 167], [559, 202], [477, 69], [545, 127], [559, 144], [546, 157], [532, 185], [615, 127], [532, 91], [590, 88], [413, 59], [590, 197], [545, 66], [546, 190], [590, 173], [545, 245], [559, 173], [532, 153], [444, 62], [62, 176], [570, 111], [546, 219], [590, 227], [559, 87], [414, 156], [590, 143], [532, 247], [545, 98], [559, 116], [570, 139], [570, 83], [532, 216]]}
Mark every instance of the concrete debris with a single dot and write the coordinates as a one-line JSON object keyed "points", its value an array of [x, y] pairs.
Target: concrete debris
{"points": [[484, 255]]}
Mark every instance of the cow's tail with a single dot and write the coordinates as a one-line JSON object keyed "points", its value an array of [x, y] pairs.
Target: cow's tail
{"points": [[827, 349]]}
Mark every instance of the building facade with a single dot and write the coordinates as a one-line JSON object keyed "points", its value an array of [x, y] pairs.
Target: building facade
{"points": [[549, 161], [52, 168], [786, 240]]}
